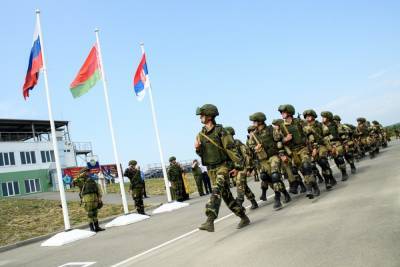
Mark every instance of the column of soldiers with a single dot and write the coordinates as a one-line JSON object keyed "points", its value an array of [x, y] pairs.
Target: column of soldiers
{"points": [[289, 148]]}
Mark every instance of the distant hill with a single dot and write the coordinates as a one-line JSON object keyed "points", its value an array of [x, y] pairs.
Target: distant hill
{"points": [[392, 127]]}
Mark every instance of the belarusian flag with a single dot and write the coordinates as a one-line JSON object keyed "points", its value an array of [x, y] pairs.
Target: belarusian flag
{"points": [[88, 75]]}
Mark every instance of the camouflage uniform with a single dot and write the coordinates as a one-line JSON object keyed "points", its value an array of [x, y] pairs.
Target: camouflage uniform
{"points": [[319, 152], [297, 149], [333, 142], [175, 173], [345, 133], [136, 185], [216, 147], [265, 144], [364, 138], [253, 167], [197, 175], [90, 195], [241, 178]]}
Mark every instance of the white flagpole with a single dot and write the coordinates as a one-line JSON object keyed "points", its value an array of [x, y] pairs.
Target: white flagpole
{"points": [[105, 87], [53, 131], [164, 170]]}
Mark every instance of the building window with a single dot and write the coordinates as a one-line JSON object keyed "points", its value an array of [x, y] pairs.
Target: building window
{"points": [[47, 156], [7, 159], [28, 157], [32, 185], [10, 188]]}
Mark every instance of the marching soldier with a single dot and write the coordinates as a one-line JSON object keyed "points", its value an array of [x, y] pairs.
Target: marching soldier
{"points": [[90, 197], [241, 179], [136, 186], [363, 134], [265, 144], [345, 133], [216, 147]]}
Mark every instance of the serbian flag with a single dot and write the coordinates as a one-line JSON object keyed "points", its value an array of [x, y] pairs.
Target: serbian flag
{"points": [[88, 74], [141, 80], [35, 64]]}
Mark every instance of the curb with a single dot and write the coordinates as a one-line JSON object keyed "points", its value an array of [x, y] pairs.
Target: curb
{"points": [[47, 236]]}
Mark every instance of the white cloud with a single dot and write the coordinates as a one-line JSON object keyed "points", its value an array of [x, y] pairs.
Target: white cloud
{"points": [[377, 74]]}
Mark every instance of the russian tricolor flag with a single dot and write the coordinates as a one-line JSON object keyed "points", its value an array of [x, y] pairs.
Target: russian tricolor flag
{"points": [[35, 64], [141, 80]]}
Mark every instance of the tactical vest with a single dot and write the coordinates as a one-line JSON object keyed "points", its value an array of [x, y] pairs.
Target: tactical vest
{"points": [[333, 131], [134, 177], [298, 136], [212, 155], [89, 187], [266, 138], [362, 130]]}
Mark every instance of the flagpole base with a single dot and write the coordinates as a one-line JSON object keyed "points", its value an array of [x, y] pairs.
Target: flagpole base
{"points": [[171, 206], [127, 219], [67, 237]]}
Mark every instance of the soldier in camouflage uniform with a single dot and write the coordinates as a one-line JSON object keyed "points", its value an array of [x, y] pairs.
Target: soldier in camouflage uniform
{"points": [[333, 142], [295, 142], [319, 151], [254, 161], [175, 173], [216, 147], [136, 186], [380, 133], [345, 133], [197, 175], [363, 135], [241, 178], [90, 195], [265, 144]]}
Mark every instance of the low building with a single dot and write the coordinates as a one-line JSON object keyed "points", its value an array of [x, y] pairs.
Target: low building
{"points": [[27, 159]]}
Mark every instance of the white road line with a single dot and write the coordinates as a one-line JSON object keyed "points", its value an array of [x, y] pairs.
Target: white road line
{"points": [[171, 241]]}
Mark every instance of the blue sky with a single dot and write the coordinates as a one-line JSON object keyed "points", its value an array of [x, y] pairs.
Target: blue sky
{"points": [[243, 56]]}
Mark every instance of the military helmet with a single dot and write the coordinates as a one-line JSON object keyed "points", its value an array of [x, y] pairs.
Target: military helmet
{"points": [[251, 128], [287, 108], [309, 112], [337, 118], [132, 162], [375, 122], [207, 110], [230, 130], [258, 116], [171, 159], [277, 122], [361, 120], [327, 114]]}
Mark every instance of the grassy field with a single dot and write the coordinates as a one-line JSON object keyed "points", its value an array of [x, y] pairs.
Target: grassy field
{"points": [[153, 186], [21, 219]]}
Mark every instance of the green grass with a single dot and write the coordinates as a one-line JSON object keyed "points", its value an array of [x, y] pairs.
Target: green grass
{"points": [[21, 219]]}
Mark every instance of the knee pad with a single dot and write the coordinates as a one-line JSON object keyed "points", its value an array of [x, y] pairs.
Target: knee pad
{"points": [[264, 177], [340, 160], [324, 163], [307, 168], [295, 170], [275, 177]]}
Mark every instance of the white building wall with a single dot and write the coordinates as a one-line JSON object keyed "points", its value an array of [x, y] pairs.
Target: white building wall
{"points": [[66, 152]]}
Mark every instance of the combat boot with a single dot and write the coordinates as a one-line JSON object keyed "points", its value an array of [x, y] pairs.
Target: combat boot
{"points": [[345, 176], [303, 188], [277, 204], [263, 196], [91, 226], [97, 228], [309, 193], [287, 197], [244, 221], [254, 204], [353, 168], [208, 225], [328, 184], [316, 189]]}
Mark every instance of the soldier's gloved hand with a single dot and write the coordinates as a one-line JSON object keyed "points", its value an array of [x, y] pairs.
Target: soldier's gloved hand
{"points": [[233, 173]]}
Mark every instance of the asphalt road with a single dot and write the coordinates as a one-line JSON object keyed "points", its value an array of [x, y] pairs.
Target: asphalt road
{"points": [[356, 224]]}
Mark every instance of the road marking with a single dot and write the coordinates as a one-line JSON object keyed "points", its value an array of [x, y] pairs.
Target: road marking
{"points": [[80, 264], [172, 240]]}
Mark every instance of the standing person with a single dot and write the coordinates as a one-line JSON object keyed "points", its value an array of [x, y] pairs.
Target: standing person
{"points": [[295, 142], [136, 186], [215, 147], [206, 180], [197, 175], [333, 142], [90, 197], [241, 179], [175, 173], [102, 181], [265, 144]]}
